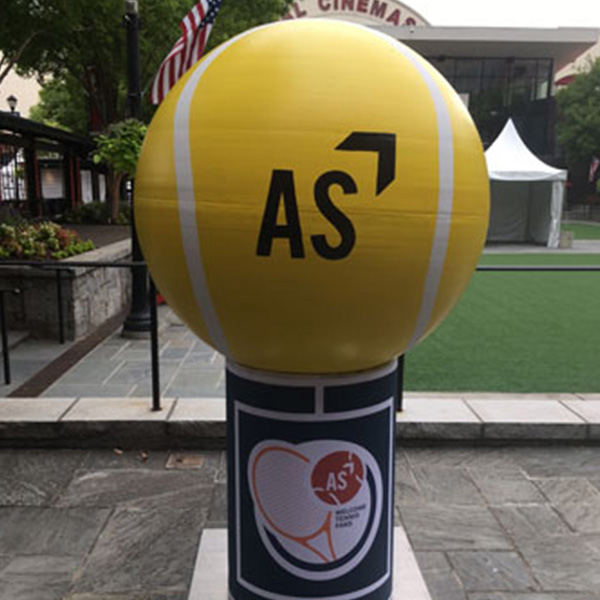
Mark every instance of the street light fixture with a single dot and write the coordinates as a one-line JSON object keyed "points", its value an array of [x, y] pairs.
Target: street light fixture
{"points": [[12, 103], [137, 324], [131, 7]]}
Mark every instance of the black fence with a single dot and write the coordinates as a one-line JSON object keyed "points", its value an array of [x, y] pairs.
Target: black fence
{"points": [[58, 268]]}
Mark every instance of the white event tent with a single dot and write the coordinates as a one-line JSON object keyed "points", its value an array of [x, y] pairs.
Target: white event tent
{"points": [[526, 193]]}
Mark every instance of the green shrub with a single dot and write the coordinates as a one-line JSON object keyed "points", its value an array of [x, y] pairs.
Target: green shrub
{"points": [[11, 216], [41, 241], [96, 213]]}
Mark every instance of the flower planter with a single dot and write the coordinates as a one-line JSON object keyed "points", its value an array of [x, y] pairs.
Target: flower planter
{"points": [[90, 295]]}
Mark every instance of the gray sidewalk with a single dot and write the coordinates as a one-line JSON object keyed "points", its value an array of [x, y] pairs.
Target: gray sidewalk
{"points": [[485, 523], [28, 357], [120, 367]]}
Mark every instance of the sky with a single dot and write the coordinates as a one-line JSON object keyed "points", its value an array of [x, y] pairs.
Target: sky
{"points": [[509, 13]]}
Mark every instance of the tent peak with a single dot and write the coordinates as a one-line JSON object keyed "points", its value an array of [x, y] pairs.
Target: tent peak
{"points": [[509, 159]]}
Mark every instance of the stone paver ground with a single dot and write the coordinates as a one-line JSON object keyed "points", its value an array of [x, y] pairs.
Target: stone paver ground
{"points": [[101, 235], [120, 367], [485, 523], [28, 358]]}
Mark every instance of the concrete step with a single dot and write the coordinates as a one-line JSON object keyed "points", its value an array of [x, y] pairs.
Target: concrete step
{"points": [[200, 422]]}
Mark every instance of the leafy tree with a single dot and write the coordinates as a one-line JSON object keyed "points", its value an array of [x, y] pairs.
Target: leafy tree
{"points": [[81, 43], [119, 148], [578, 124], [236, 16], [62, 105], [21, 24]]}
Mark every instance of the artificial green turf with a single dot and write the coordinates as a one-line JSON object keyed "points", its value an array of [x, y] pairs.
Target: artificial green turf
{"points": [[582, 231], [517, 332]]}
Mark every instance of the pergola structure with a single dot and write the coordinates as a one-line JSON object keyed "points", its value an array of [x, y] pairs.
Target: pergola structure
{"points": [[42, 168]]}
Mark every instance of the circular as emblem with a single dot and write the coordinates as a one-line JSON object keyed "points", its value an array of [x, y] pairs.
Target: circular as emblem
{"points": [[338, 477], [317, 505]]}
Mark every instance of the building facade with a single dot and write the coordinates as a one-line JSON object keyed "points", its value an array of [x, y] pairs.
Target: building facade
{"points": [[368, 12], [499, 72]]}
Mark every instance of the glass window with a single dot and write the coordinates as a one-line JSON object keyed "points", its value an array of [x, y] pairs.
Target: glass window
{"points": [[495, 68], [496, 88], [544, 76], [495, 77], [524, 69], [445, 66], [522, 87], [468, 67], [467, 84], [541, 91]]}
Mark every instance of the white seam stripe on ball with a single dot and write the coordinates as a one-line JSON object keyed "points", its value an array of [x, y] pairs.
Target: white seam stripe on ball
{"points": [[445, 194], [186, 201]]}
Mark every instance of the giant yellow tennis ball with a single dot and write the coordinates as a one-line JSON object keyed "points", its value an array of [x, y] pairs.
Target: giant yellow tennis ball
{"points": [[312, 197]]}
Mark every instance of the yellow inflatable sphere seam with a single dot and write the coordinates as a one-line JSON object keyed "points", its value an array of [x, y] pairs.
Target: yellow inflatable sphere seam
{"points": [[187, 205], [312, 198], [445, 195]]}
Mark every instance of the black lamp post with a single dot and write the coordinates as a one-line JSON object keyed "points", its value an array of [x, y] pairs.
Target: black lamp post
{"points": [[137, 323], [12, 104]]}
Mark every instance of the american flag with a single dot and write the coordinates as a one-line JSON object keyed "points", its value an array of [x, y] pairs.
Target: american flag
{"points": [[593, 168], [188, 49]]}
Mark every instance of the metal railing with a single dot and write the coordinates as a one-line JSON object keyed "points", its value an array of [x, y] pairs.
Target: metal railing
{"points": [[4, 332], [58, 268]]}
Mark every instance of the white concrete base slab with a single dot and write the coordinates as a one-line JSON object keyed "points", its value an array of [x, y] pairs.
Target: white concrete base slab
{"points": [[589, 410], [34, 410], [117, 409], [523, 411], [209, 581], [436, 410]]}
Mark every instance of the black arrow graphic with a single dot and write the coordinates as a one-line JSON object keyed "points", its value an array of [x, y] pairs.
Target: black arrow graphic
{"points": [[385, 146]]}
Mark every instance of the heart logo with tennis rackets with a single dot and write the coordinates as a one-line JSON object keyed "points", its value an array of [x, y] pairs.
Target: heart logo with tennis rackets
{"points": [[317, 504]]}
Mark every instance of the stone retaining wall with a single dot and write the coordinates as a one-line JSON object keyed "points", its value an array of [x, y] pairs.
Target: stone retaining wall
{"points": [[90, 295]]}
